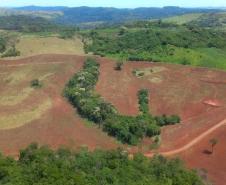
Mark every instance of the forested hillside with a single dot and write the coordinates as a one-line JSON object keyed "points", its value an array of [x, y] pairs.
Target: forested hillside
{"points": [[26, 23], [207, 20], [159, 41], [44, 166]]}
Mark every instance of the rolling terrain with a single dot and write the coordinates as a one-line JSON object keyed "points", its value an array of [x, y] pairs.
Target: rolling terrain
{"points": [[48, 44], [43, 115], [80, 15], [184, 76], [196, 94]]}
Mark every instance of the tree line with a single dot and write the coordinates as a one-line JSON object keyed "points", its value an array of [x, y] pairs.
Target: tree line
{"points": [[43, 166], [127, 129], [150, 41]]}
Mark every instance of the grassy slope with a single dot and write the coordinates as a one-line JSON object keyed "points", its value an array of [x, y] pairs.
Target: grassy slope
{"points": [[182, 19], [43, 14], [31, 44], [213, 20], [203, 57], [48, 44]]}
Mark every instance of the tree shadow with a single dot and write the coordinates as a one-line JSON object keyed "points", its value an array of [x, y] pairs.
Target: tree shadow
{"points": [[207, 152]]}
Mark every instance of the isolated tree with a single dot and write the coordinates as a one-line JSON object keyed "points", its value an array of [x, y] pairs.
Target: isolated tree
{"points": [[119, 65], [36, 83], [122, 30], [213, 143]]}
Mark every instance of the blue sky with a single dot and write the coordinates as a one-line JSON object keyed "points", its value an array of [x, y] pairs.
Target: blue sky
{"points": [[115, 3]]}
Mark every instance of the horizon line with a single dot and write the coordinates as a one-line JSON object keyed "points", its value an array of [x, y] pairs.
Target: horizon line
{"points": [[51, 6]]}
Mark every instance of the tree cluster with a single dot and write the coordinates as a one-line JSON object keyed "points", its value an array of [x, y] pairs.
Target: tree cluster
{"points": [[42, 166], [90, 105], [153, 40]]}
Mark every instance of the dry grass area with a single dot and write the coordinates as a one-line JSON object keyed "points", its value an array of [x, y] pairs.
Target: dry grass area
{"points": [[42, 114], [150, 73], [19, 98], [25, 116], [19, 75], [16, 97], [30, 45]]}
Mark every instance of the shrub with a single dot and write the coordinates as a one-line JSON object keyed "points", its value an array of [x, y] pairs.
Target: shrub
{"points": [[143, 101], [36, 83], [12, 52], [167, 120], [119, 65], [2, 45]]}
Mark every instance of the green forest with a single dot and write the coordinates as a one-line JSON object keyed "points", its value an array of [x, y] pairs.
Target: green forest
{"points": [[43, 166], [159, 41]]}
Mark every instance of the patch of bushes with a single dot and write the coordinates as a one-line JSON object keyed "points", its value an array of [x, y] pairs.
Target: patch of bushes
{"points": [[12, 52], [119, 65], [43, 166], [126, 129], [36, 83], [143, 101], [167, 120], [2, 44], [67, 33], [131, 130]]}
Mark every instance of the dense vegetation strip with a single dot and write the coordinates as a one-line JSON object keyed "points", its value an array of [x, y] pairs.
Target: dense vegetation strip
{"points": [[143, 101], [90, 105], [42, 166], [34, 24], [159, 41]]}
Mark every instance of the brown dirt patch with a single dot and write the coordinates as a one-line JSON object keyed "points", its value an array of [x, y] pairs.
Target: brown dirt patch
{"points": [[60, 124], [200, 157], [182, 91]]}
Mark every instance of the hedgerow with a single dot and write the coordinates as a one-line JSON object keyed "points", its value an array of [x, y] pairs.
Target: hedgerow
{"points": [[90, 105], [43, 166]]}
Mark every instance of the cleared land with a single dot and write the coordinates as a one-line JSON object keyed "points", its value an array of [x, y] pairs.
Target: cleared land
{"points": [[42, 114], [182, 90], [44, 45]]}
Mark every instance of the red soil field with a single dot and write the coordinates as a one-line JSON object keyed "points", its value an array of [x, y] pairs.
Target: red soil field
{"points": [[180, 91], [214, 164], [196, 94], [60, 125]]}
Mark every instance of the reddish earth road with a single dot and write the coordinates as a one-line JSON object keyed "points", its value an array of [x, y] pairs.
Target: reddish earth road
{"points": [[191, 143]]}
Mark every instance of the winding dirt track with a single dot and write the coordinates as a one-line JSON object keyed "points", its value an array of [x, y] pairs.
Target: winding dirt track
{"points": [[191, 143]]}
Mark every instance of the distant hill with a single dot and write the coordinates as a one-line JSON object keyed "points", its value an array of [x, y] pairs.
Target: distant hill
{"points": [[91, 17], [41, 8], [208, 20], [79, 15], [87, 14], [44, 14], [26, 23], [213, 20]]}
